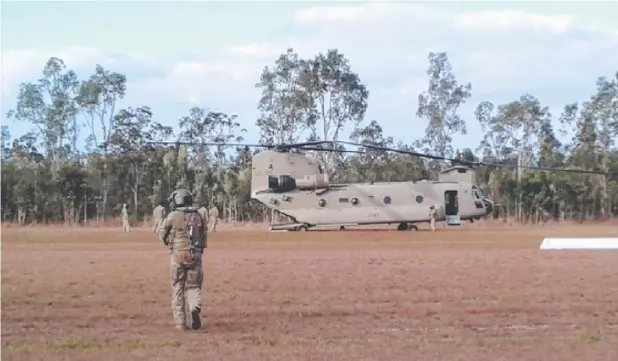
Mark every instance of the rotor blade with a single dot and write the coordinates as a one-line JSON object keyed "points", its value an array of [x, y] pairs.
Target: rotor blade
{"points": [[305, 144], [569, 170], [211, 144], [312, 146], [463, 162], [333, 150], [277, 146], [400, 151]]}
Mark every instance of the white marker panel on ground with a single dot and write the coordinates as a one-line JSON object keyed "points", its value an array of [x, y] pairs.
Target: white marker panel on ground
{"points": [[580, 243]]}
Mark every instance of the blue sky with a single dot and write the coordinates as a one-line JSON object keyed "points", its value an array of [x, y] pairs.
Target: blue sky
{"points": [[210, 54]]}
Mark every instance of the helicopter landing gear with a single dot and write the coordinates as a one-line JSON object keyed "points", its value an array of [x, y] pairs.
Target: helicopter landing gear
{"points": [[301, 228], [342, 228], [403, 226]]}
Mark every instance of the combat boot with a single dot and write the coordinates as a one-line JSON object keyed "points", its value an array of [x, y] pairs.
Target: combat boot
{"points": [[182, 327], [195, 318]]}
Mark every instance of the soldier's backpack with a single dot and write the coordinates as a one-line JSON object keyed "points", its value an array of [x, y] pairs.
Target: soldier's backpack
{"points": [[195, 230]]}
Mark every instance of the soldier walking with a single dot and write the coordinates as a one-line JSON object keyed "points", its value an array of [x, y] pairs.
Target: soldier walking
{"points": [[157, 215], [183, 231], [126, 226], [432, 218], [213, 217], [203, 211]]}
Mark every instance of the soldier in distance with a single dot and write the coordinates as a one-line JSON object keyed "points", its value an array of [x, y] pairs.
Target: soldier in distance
{"points": [[157, 216], [213, 217], [126, 226], [432, 218], [184, 232], [203, 211]]}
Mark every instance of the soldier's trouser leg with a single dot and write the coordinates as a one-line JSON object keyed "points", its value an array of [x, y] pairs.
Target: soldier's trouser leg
{"points": [[214, 225], [156, 225], [195, 278], [178, 277], [187, 279], [432, 224]]}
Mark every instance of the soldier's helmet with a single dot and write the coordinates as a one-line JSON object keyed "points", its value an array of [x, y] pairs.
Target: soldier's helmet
{"points": [[181, 198]]}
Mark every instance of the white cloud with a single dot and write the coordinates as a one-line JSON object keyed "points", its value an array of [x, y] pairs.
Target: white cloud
{"points": [[258, 50], [502, 53], [369, 13], [21, 65], [510, 20]]}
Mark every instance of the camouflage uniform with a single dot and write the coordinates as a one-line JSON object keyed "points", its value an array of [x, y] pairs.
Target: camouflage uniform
{"points": [[432, 218], [157, 215], [126, 226], [213, 217], [185, 268]]}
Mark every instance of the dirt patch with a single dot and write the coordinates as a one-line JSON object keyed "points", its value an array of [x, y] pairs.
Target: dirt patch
{"points": [[474, 294]]}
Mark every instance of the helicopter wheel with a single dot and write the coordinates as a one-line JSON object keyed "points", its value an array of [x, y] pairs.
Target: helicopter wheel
{"points": [[403, 226], [342, 228], [301, 228], [412, 228]]}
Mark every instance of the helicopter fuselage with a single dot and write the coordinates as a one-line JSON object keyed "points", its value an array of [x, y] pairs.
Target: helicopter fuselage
{"points": [[295, 185], [364, 203]]}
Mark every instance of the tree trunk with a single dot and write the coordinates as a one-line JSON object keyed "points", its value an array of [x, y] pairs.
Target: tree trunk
{"points": [[105, 188]]}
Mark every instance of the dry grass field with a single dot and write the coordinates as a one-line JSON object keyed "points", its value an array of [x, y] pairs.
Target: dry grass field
{"points": [[474, 294]]}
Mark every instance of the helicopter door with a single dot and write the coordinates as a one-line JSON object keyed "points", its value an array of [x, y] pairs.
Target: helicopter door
{"points": [[451, 208]]}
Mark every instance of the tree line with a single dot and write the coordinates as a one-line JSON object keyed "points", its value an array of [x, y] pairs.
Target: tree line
{"points": [[46, 178]]}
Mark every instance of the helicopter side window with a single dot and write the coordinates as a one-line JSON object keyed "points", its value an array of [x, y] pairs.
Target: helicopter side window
{"points": [[387, 200]]}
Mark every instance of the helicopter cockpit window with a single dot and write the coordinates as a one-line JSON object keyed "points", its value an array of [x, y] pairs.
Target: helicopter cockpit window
{"points": [[387, 200]]}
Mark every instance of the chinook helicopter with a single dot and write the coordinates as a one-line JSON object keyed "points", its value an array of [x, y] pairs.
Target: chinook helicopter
{"points": [[290, 182]]}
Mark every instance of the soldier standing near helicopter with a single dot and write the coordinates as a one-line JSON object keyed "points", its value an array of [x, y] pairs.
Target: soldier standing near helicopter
{"points": [[432, 218], [203, 211], [158, 214], [213, 217], [126, 226]]}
